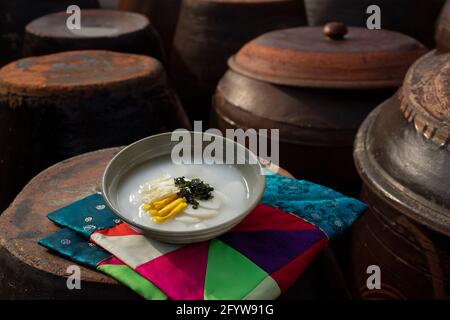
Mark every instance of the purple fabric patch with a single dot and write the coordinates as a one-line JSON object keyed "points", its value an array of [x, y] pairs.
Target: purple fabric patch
{"points": [[272, 249]]}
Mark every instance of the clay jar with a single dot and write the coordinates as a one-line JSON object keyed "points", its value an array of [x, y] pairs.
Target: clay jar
{"points": [[316, 85], [210, 31], [56, 106], [162, 14], [402, 153], [443, 29], [15, 14], [100, 29], [416, 18]]}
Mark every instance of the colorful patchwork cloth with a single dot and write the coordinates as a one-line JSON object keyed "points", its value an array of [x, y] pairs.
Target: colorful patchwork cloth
{"points": [[71, 245], [258, 259]]}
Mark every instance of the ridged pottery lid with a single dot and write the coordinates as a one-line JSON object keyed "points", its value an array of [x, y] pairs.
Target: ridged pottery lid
{"points": [[402, 149], [333, 57], [443, 29], [425, 98]]}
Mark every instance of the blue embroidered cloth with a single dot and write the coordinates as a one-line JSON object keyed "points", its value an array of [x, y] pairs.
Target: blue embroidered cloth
{"points": [[85, 216], [325, 208], [71, 245]]}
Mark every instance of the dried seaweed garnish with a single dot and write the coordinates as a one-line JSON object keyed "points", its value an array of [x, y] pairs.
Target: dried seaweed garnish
{"points": [[193, 190]]}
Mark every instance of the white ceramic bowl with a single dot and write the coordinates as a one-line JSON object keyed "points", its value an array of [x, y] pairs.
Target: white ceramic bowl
{"points": [[148, 149]]}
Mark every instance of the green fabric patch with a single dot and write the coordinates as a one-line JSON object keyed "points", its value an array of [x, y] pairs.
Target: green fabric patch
{"points": [[229, 274], [134, 281]]}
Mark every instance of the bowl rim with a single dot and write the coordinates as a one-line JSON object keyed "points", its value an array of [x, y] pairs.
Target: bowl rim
{"points": [[213, 229]]}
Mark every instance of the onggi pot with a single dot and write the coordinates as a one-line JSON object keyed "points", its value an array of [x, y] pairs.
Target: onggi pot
{"points": [[210, 31], [402, 153], [316, 85]]}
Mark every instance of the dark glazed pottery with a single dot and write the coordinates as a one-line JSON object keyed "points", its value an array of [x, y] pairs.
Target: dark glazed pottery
{"points": [[416, 18], [57, 106], [210, 31], [15, 14], [402, 154], [443, 29], [101, 29], [162, 14], [316, 85]]}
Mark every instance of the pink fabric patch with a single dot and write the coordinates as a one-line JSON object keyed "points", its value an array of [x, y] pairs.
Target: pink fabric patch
{"points": [[180, 274]]}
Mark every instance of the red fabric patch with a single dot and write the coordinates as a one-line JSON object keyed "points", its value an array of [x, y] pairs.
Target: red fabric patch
{"points": [[121, 229], [287, 275], [265, 217]]}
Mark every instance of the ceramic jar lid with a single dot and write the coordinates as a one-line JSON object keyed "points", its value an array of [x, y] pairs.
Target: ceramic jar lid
{"points": [[98, 24], [75, 72], [425, 97], [333, 56]]}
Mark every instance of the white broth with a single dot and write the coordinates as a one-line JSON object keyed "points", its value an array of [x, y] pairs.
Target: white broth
{"points": [[230, 192]]}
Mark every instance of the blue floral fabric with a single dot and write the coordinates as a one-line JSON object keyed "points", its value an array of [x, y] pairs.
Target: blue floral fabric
{"points": [[85, 216], [71, 245], [327, 209]]}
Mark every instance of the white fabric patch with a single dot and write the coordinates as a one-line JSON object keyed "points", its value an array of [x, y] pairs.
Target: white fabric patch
{"points": [[267, 289], [134, 250]]}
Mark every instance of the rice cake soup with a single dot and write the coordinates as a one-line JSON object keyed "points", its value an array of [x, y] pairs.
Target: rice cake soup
{"points": [[180, 197]]}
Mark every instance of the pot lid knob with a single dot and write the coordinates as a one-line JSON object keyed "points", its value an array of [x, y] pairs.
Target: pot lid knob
{"points": [[335, 30]]}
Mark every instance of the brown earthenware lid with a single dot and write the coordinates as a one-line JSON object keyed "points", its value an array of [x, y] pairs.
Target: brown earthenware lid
{"points": [[95, 23], [333, 56], [73, 72], [443, 29], [425, 97]]}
